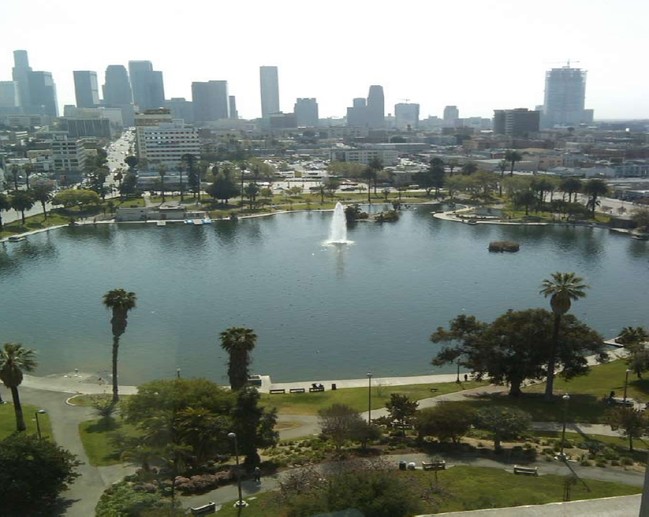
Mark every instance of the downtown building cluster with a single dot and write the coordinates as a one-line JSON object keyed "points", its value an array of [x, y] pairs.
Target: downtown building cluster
{"points": [[166, 129]]}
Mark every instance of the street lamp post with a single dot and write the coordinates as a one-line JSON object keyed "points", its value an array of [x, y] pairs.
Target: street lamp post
{"points": [[626, 383], [369, 397], [38, 424], [240, 503], [566, 400]]}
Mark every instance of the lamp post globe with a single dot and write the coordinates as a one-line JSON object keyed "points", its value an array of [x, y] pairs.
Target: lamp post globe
{"points": [[240, 503], [566, 400]]}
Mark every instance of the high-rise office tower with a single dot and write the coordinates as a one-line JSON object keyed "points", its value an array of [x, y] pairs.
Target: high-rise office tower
{"points": [[232, 106], [210, 100], [565, 96], [86, 88], [357, 114], [117, 88], [306, 112], [147, 85], [9, 98], [375, 107], [451, 115], [20, 74], [406, 115], [269, 86], [117, 92], [42, 94]]}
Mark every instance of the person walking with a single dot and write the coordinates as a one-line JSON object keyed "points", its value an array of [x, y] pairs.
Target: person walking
{"points": [[257, 475]]}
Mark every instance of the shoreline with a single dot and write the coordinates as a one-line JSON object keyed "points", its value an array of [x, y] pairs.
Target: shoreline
{"points": [[83, 383]]}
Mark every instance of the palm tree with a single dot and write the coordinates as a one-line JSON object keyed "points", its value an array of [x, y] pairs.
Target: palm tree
{"points": [[120, 302], [238, 342], [162, 171], [5, 204], [14, 360], [594, 188], [21, 200], [513, 157], [563, 288]]}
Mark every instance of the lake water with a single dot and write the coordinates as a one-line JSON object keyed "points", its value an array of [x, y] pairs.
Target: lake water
{"points": [[319, 312]]}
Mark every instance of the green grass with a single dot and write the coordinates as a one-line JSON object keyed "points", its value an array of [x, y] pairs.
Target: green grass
{"points": [[587, 395], [357, 398], [601, 380], [583, 408], [8, 421], [466, 488], [96, 436]]}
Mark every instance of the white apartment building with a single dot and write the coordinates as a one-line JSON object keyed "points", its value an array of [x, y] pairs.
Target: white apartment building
{"points": [[163, 141]]}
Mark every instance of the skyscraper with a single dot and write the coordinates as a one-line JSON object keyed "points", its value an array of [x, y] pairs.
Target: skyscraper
{"points": [[36, 90], [117, 88], [406, 115], [210, 100], [42, 94], [269, 86], [376, 107], [357, 113], [9, 99], [232, 105], [565, 96], [20, 74], [451, 115], [147, 85], [306, 112], [86, 88], [117, 92]]}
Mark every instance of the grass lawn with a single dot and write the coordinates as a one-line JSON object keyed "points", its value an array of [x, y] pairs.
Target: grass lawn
{"points": [[601, 380], [8, 421], [96, 436], [357, 398], [466, 488], [587, 394]]}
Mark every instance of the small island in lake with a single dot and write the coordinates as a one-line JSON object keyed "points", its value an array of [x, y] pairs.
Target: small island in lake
{"points": [[509, 246]]}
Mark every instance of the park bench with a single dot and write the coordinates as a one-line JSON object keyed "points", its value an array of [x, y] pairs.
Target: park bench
{"points": [[433, 465], [297, 390], [205, 509], [526, 471], [277, 391], [313, 390]]}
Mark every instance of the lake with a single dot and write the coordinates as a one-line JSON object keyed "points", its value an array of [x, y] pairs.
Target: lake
{"points": [[320, 312]]}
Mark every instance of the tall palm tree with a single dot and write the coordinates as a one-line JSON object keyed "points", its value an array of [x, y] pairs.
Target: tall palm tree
{"points": [[162, 171], [5, 204], [120, 302], [238, 342], [562, 288], [14, 360], [594, 188], [513, 157]]}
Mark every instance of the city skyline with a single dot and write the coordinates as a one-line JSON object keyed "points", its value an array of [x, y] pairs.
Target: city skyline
{"points": [[479, 56]]}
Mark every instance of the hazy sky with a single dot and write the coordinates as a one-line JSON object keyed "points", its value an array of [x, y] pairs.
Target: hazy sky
{"points": [[480, 55]]}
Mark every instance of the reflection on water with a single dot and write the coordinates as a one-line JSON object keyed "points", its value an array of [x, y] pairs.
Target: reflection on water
{"points": [[318, 311]]}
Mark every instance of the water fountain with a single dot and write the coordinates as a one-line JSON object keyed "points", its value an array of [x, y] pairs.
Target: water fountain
{"points": [[338, 229]]}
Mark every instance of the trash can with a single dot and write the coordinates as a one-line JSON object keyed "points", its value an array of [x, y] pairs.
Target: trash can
{"points": [[333, 386], [402, 465]]}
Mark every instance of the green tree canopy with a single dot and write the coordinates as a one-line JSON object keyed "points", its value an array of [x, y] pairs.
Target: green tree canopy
{"points": [[32, 474], [516, 347], [504, 423], [21, 200], [76, 198], [444, 421]]}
